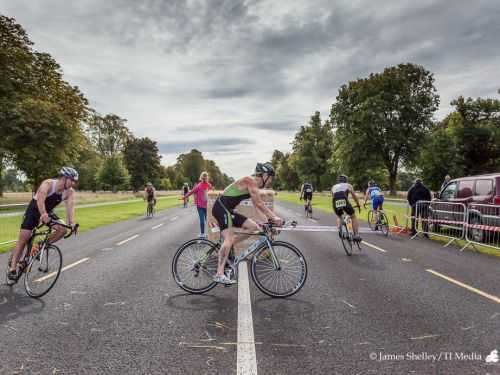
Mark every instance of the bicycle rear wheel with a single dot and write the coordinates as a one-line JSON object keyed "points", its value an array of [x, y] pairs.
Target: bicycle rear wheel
{"points": [[372, 220], [282, 282], [43, 271], [384, 224], [195, 265], [346, 239]]}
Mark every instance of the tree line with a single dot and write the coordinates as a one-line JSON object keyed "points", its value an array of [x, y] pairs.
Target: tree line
{"points": [[382, 127], [45, 122]]}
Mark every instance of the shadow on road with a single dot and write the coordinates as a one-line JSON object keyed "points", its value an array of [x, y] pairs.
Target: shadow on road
{"points": [[14, 303], [197, 302]]}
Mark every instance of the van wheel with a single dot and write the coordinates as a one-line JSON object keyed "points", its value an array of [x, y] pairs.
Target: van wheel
{"points": [[477, 235]]}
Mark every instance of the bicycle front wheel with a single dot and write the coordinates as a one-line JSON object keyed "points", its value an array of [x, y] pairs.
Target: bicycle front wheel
{"points": [[280, 282], [43, 271], [346, 239], [195, 265]]}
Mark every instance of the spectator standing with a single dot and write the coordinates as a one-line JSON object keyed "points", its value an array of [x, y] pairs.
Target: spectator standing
{"points": [[445, 182], [200, 192], [419, 192]]}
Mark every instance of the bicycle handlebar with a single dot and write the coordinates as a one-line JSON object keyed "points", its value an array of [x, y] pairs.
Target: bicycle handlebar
{"points": [[51, 223]]}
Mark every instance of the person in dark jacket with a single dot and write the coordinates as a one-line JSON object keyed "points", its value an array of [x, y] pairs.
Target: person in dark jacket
{"points": [[419, 192]]}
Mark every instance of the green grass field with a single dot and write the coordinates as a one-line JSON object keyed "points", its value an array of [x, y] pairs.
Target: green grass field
{"points": [[90, 217]]}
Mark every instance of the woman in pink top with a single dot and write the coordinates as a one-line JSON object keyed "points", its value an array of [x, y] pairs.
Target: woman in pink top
{"points": [[200, 192]]}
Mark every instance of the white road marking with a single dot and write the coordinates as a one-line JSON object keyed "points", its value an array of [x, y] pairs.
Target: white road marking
{"points": [[157, 226], [127, 240], [52, 274], [374, 247], [246, 363], [348, 304], [121, 303], [107, 249], [174, 218], [468, 287], [424, 337]]}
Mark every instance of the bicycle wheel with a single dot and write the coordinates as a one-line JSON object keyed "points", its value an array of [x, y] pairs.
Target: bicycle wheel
{"points": [[282, 282], [372, 220], [384, 224], [346, 239], [195, 265], [43, 271]]}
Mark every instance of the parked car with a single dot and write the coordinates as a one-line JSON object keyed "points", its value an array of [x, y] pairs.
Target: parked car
{"points": [[480, 194]]}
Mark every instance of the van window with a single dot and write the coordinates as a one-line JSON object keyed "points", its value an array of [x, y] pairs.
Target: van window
{"points": [[484, 187], [466, 188], [450, 191]]}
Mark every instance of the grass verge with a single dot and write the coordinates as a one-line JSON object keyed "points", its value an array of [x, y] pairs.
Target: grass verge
{"points": [[89, 217]]}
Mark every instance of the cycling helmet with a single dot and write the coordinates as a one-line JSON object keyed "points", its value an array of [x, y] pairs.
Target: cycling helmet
{"points": [[342, 178], [262, 168], [371, 183], [69, 172], [149, 184]]}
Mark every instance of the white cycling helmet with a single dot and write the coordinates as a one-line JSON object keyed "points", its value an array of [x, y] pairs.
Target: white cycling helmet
{"points": [[69, 172]]}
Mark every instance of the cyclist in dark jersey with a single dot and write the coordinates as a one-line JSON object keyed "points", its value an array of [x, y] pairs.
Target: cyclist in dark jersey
{"points": [[306, 193], [341, 204], [150, 193], [50, 193], [223, 211]]}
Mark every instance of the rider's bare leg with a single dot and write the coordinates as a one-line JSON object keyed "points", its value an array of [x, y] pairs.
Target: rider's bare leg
{"points": [[228, 235], [24, 236]]}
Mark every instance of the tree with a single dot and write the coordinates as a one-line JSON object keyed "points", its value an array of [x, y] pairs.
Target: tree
{"points": [[381, 120], [112, 174], [312, 148], [142, 159], [108, 134], [88, 164]]}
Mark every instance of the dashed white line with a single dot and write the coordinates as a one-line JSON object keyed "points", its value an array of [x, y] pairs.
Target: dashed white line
{"points": [[246, 362], [127, 240], [468, 287], [348, 304], [157, 226], [424, 337], [174, 218], [52, 274], [374, 247]]}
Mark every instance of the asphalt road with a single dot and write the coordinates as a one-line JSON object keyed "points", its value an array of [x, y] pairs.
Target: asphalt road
{"points": [[393, 308]]}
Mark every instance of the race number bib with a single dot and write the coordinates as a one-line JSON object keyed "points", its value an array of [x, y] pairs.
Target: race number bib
{"points": [[308, 191], [340, 203]]}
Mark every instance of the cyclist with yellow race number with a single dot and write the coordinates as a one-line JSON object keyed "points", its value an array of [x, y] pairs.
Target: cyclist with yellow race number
{"points": [[341, 204]]}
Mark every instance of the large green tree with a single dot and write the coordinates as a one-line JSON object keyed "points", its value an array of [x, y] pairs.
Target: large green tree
{"points": [[142, 159], [381, 120], [109, 134], [112, 175], [312, 148], [40, 113]]}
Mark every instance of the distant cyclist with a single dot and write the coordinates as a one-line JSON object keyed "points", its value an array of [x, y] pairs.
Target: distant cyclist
{"points": [[375, 194], [306, 193], [185, 190], [227, 218], [41, 208], [340, 196], [150, 194]]}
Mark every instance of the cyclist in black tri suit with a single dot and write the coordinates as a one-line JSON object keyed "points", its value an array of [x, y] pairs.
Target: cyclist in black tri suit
{"points": [[48, 196], [341, 204], [150, 193], [223, 211], [306, 193]]}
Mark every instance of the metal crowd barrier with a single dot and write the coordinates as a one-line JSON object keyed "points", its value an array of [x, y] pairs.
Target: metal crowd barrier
{"points": [[483, 226], [443, 219]]}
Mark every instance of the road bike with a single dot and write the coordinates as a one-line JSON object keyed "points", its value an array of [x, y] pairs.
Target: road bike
{"points": [[278, 268], [150, 208], [346, 233], [41, 263], [381, 223], [308, 209]]}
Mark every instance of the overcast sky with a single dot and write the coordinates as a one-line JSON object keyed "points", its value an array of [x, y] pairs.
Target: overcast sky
{"points": [[236, 79]]}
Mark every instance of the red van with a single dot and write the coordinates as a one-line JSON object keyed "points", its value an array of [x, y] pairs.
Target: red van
{"points": [[481, 194]]}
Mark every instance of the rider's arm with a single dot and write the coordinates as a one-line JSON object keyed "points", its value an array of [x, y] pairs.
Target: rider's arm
{"points": [[70, 207], [257, 201], [353, 193], [154, 193], [41, 195], [301, 191], [366, 195]]}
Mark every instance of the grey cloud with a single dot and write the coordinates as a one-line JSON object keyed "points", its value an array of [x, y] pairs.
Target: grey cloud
{"points": [[205, 145]]}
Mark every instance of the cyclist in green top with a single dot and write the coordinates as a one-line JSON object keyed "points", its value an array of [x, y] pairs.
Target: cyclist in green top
{"points": [[223, 211]]}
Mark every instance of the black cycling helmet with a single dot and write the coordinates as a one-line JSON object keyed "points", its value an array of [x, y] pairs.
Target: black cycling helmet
{"points": [[262, 168], [342, 178], [69, 172]]}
